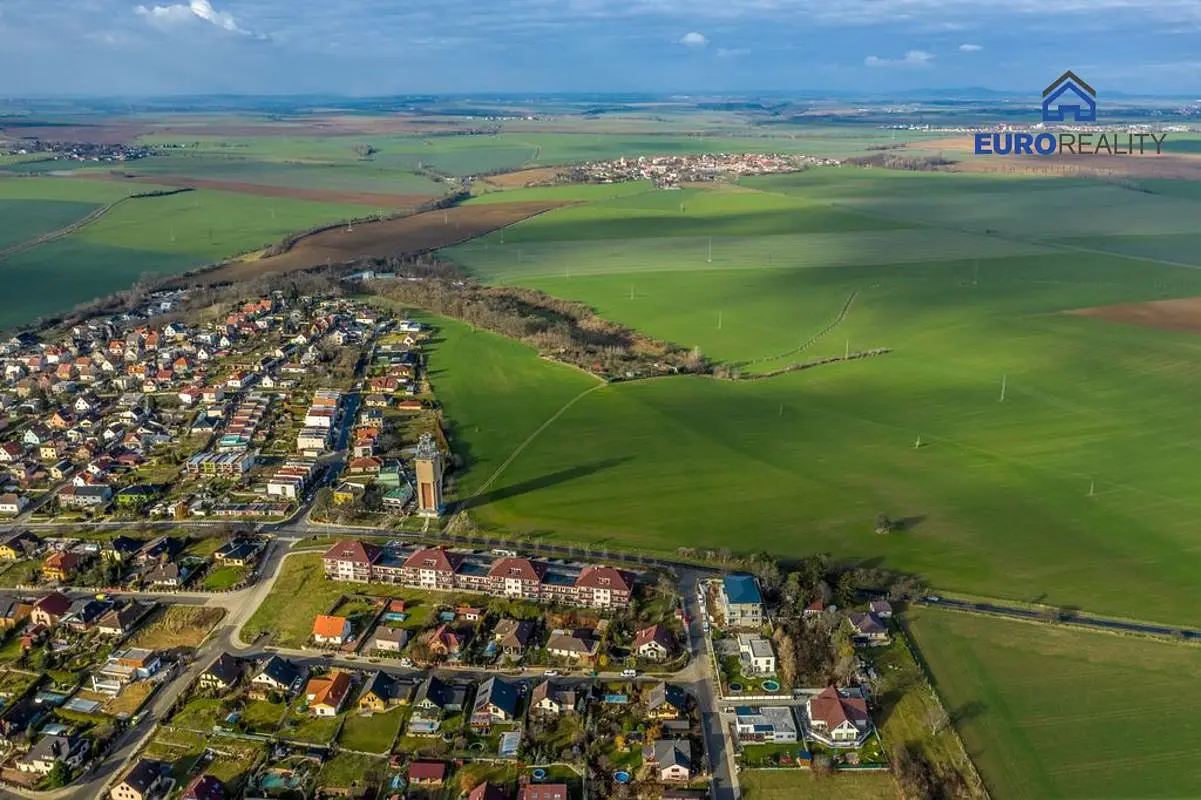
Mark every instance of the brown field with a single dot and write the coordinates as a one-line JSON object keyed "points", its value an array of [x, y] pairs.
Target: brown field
{"points": [[523, 177], [374, 199], [1183, 314], [429, 230]]}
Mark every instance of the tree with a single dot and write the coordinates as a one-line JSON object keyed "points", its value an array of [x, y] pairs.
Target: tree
{"points": [[844, 592], [883, 524], [937, 717], [59, 775]]}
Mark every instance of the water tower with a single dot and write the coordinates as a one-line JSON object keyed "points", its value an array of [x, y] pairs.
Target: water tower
{"points": [[427, 464]]}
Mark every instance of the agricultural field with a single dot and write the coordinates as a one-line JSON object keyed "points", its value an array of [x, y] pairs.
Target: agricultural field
{"points": [[1051, 711], [176, 627], [1075, 489], [805, 785], [157, 235]]}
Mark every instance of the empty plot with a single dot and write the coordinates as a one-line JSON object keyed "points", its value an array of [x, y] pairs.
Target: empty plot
{"points": [[1057, 712]]}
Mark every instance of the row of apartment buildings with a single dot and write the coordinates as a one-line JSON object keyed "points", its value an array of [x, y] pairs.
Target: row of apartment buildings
{"points": [[440, 569], [319, 422]]}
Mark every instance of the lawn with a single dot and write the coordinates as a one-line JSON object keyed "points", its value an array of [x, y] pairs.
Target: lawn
{"points": [[218, 579], [373, 734], [130, 699], [261, 716], [234, 761], [1088, 453], [351, 769], [20, 573], [1051, 711], [178, 626], [200, 715], [304, 727], [804, 785]]}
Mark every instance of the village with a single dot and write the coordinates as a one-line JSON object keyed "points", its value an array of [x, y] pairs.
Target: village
{"points": [[161, 477], [668, 172]]}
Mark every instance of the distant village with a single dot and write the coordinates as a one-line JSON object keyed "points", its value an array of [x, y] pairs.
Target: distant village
{"points": [[75, 151], [668, 172]]}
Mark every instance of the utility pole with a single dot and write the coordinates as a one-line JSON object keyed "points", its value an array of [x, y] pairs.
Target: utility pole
{"points": [[719, 320], [710, 258], [1004, 381]]}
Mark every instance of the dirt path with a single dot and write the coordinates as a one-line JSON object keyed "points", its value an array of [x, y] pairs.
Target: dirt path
{"points": [[82, 222]]}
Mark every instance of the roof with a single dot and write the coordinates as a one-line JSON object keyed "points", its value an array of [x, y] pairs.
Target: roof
{"points": [[143, 775], [225, 668], [123, 545], [603, 578], [329, 691], [498, 693], [354, 551], [330, 627], [672, 752], [280, 670], [52, 748], [833, 709], [655, 633], [487, 791], [427, 771], [880, 607], [513, 632], [433, 558], [574, 642], [54, 603], [867, 623], [666, 693], [517, 569], [742, 590], [381, 685]]}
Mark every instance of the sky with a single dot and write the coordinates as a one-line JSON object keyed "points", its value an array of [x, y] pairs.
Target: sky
{"points": [[384, 47]]}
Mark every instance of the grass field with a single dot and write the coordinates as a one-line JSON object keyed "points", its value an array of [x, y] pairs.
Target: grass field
{"points": [[997, 500], [804, 785], [1056, 712], [158, 235], [349, 769], [373, 734], [178, 626]]}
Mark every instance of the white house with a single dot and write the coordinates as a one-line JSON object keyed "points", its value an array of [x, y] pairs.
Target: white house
{"points": [[756, 654]]}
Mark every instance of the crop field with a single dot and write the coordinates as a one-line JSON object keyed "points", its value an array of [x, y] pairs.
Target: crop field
{"points": [[1076, 488], [159, 235], [1057, 712]]}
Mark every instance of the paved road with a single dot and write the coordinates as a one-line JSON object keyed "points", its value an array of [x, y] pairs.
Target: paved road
{"points": [[714, 724], [1071, 618]]}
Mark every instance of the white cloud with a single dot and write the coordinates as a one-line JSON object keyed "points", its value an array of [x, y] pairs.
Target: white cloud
{"points": [[694, 39], [970, 48], [913, 58], [202, 10]]}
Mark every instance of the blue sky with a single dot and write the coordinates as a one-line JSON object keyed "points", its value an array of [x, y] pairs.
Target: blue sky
{"points": [[365, 47]]}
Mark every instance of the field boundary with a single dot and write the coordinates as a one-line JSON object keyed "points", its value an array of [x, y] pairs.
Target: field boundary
{"points": [[82, 222], [812, 340], [928, 677]]}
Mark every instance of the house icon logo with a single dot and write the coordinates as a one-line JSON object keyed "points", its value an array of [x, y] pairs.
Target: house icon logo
{"points": [[1059, 96]]}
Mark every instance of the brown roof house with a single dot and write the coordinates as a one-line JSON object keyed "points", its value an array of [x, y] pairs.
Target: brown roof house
{"points": [[654, 643], [837, 720]]}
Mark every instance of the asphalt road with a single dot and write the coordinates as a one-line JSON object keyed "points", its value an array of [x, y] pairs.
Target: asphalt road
{"points": [[1070, 618]]}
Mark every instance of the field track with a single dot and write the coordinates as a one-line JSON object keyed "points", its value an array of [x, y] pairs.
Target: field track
{"points": [[429, 230], [812, 340], [376, 199]]}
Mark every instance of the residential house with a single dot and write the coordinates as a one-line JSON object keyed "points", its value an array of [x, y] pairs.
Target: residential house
{"points": [[444, 641], [756, 654], [545, 698], [145, 780], [85, 614], [881, 608], [388, 640], [49, 610], [488, 791], [329, 629], [120, 548], [20, 544], [436, 696], [12, 504], [61, 565], [512, 636], [671, 758], [655, 643], [427, 773], [868, 628], [774, 724], [238, 553], [326, 695], [277, 675], [741, 602], [122, 620], [573, 644], [836, 719], [50, 750], [85, 497], [544, 791], [125, 667], [13, 613], [167, 576], [221, 675], [383, 691], [495, 701], [666, 701]]}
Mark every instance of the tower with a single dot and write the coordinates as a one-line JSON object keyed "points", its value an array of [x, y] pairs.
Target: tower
{"points": [[427, 464]]}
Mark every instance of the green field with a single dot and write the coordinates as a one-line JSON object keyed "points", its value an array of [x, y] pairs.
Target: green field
{"points": [[796, 784], [1056, 712], [373, 734], [996, 500], [156, 235]]}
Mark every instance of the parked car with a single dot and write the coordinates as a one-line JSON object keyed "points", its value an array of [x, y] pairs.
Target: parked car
{"points": [[551, 673], [629, 673]]}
